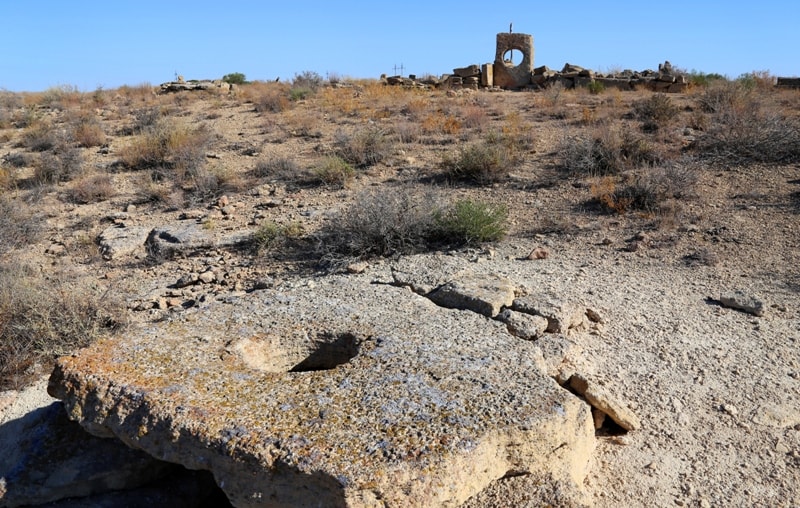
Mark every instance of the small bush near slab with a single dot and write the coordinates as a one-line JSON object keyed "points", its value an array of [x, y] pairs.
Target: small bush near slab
{"points": [[91, 189], [42, 319], [379, 224], [471, 222]]}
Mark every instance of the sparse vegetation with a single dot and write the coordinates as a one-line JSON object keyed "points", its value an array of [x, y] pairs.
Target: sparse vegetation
{"points": [[42, 319], [741, 129], [484, 162], [469, 222], [167, 144], [235, 78], [334, 171], [380, 224], [363, 148], [605, 152], [656, 112]]}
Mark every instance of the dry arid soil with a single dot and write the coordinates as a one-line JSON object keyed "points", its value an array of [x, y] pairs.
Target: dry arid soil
{"points": [[650, 207]]}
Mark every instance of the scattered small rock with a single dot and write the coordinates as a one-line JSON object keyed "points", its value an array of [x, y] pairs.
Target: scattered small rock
{"points": [[357, 267], [594, 316], [744, 302], [186, 280], [524, 326], [600, 398], [539, 253], [207, 277]]}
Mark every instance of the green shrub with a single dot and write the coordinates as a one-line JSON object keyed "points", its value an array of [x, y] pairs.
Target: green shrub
{"points": [[470, 222], [596, 87], [334, 170], [305, 85], [703, 79], [270, 235], [486, 162], [234, 78]]}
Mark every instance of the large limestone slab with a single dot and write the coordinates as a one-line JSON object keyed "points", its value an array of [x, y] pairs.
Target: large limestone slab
{"points": [[168, 240], [344, 394]]}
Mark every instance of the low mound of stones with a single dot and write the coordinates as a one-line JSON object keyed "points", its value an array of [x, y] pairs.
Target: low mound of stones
{"points": [[418, 387], [666, 79]]}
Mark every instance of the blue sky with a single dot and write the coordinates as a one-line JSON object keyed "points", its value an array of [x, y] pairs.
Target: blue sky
{"points": [[91, 44]]}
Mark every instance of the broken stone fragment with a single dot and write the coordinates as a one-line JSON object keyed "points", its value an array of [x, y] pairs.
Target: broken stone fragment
{"points": [[600, 398], [561, 316], [484, 294], [744, 302], [524, 326]]}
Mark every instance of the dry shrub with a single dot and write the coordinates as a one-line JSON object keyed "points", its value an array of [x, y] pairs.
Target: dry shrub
{"points": [[605, 152], [60, 165], [407, 132], [168, 144], [482, 163], [744, 127], [40, 136], [202, 182], [475, 117], [647, 189], [301, 123], [91, 189], [19, 225], [41, 319], [363, 148], [87, 130], [656, 112], [394, 221], [272, 99], [441, 123], [343, 101], [279, 168], [417, 108], [143, 93]]}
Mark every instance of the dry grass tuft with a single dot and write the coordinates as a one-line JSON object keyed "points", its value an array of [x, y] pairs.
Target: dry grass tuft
{"points": [[41, 319]]}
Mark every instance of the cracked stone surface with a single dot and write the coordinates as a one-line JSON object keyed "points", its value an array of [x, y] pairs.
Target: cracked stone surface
{"points": [[344, 394]]}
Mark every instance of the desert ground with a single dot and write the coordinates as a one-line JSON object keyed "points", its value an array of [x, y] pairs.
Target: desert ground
{"points": [[649, 208]]}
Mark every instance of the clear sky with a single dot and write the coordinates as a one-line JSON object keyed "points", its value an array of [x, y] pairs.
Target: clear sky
{"points": [[91, 43]]}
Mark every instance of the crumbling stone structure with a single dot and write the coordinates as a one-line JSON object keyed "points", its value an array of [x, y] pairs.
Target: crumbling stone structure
{"points": [[505, 73]]}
